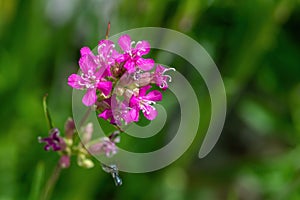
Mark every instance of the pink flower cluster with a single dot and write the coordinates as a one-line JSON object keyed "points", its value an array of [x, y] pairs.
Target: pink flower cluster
{"points": [[119, 83]]}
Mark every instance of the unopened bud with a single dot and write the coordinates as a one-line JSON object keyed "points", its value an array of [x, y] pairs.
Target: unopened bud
{"points": [[82, 161], [64, 161], [69, 128], [144, 79]]}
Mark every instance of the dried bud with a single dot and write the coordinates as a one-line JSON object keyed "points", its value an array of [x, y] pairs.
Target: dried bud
{"points": [[118, 70]]}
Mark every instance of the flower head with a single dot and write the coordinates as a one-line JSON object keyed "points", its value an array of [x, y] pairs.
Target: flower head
{"points": [[144, 102], [132, 56], [54, 141], [107, 53]]}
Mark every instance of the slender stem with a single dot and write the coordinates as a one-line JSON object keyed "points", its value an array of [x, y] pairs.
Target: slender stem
{"points": [[119, 128], [51, 182], [85, 117]]}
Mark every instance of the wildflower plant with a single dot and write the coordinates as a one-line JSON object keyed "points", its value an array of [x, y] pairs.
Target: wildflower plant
{"points": [[118, 85]]}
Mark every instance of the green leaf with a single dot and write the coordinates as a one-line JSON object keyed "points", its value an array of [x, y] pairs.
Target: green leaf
{"points": [[38, 177]]}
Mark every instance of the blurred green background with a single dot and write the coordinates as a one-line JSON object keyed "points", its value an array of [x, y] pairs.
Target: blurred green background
{"points": [[255, 44]]}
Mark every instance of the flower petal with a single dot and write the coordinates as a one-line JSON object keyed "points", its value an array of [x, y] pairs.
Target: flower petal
{"points": [[103, 72], [154, 95], [105, 87], [142, 48], [145, 64], [159, 69], [151, 112], [85, 51], [87, 63], [105, 43], [90, 97], [130, 66], [143, 90], [106, 114], [124, 42], [122, 57], [134, 115], [74, 80]]}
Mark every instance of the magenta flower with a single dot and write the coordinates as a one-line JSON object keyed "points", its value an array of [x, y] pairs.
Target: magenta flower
{"points": [[107, 53], [105, 58], [90, 79], [133, 55], [160, 78], [54, 141], [104, 146], [144, 102]]}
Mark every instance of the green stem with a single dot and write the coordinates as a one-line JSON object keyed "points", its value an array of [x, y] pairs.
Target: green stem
{"points": [[51, 182], [85, 117]]}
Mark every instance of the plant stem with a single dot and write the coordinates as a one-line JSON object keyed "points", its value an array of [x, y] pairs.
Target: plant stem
{"points": [[85, 117], [51, 182], [119, 128]]}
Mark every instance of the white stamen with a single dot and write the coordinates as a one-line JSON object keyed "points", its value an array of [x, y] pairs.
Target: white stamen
{"points": [[170, 78], [168, 69], [139, 42], [131, 43]]}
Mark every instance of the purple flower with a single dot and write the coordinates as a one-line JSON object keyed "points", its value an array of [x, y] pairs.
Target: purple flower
{"points": [[107, 54], [54, 141], [161, 79], [90, 79], [105, 57], [104, 146], [144, 102], [133, 55]]}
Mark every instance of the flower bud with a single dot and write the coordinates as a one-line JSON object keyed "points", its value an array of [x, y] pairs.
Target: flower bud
{"points": [[143, 79], [104, 146], [87, 133], [69, 128], [64, 161], [82, 161]]}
